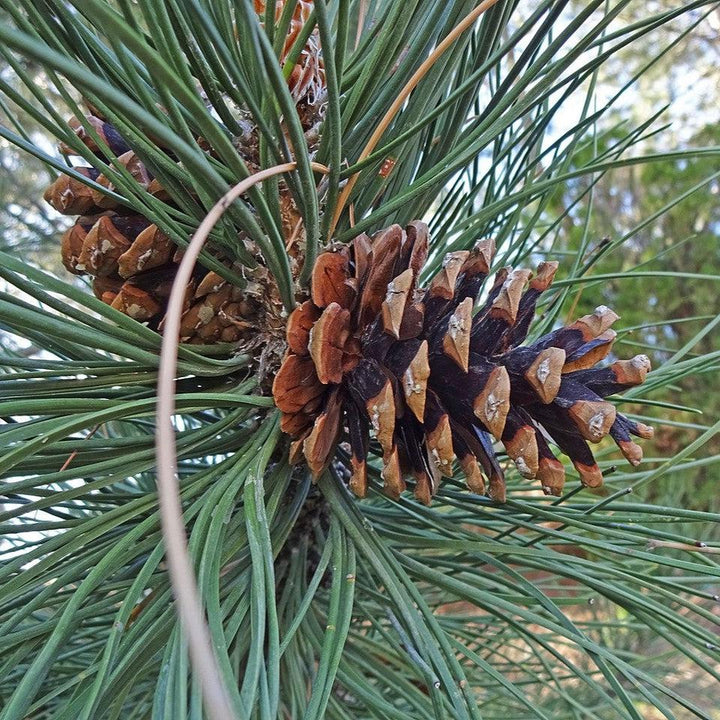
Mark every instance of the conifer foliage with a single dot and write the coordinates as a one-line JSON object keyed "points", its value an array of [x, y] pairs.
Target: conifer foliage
{"points": [[349, 327]]}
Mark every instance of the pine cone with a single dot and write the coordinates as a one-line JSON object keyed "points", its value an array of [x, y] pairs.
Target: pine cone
{"points": [[372, 354], [133, 262]]}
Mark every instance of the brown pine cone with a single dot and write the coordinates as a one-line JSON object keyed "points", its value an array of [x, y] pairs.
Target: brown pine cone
{"points": [[372, 354], [133, 262]]}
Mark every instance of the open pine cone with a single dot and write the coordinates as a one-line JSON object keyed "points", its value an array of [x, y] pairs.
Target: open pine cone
{"points": [[372, 354], [133, 262]]}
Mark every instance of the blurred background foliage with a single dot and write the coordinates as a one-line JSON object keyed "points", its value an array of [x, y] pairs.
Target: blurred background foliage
{"points": [[638, 207]]}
